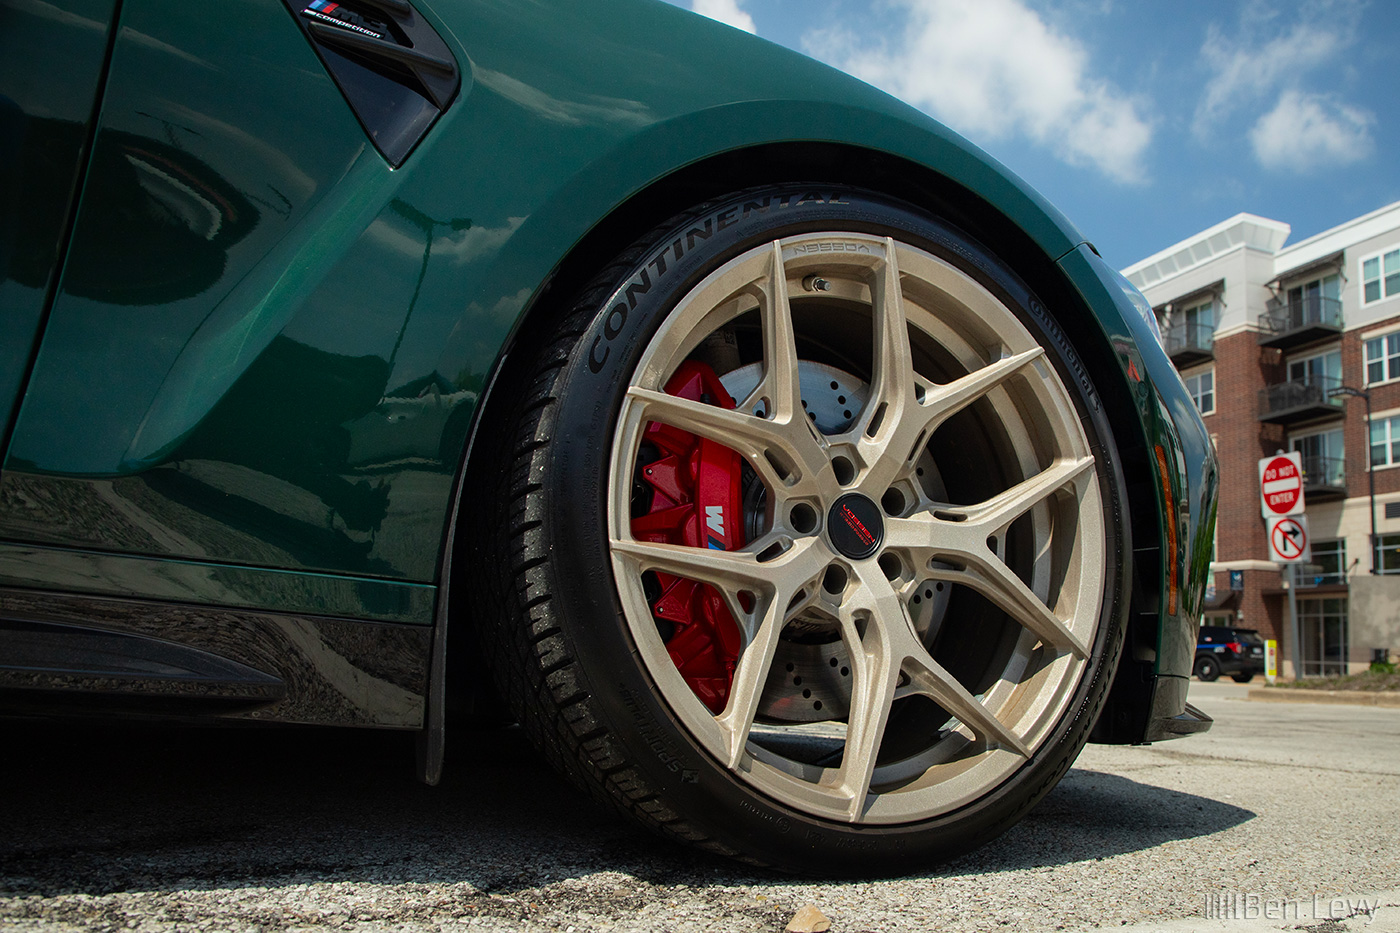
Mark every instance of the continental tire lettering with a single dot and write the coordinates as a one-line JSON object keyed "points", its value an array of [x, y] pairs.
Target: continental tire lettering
{"points": [[642, 281], [753, 207], [610, 329], [839, 842], [779, 822], [704, 233], [660, 747], [639, 287], [596, 362], [1052, 327]]}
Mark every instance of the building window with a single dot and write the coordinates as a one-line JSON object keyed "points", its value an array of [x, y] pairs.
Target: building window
{"points": [[1318, 369], [1322, 627], [1329, 563], [1310, 293], [1199, 317], [1380, 276], [1324, 462], [1202, 389], [1387, 555], [1385, 441], [1383, 358]]}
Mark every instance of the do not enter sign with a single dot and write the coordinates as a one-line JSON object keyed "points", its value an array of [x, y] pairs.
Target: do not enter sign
{"points": [[1281, 485]]}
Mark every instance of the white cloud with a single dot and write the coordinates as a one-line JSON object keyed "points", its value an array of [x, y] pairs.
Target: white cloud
{"points": [[1270, 58], [995, 69], [1308, 131], [726, 11], [1244, 70]]}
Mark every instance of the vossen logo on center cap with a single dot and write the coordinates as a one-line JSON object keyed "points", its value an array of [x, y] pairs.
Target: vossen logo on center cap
{"points": [[855, 526]]}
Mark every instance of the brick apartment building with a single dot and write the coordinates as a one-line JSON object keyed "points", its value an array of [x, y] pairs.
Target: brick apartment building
{"points": [[1264, 335]]}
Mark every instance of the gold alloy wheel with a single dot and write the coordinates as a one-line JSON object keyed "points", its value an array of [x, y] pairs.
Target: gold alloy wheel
{"points": [[853, 534]]}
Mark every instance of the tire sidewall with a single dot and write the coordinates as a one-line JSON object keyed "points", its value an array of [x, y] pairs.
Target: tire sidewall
{"points": [[589, 393]]}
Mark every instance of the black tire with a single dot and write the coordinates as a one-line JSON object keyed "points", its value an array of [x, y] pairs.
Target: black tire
{"points": [[1207, 669], [1242, 678], [558, 638]]}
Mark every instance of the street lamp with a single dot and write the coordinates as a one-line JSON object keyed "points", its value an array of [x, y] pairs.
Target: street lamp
{"points": [[1349, 392]]}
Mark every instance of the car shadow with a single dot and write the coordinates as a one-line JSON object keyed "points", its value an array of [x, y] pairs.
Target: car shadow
{"points": [[97, 809]]}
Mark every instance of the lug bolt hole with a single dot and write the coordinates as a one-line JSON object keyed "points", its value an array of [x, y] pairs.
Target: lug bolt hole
{"points": [[803, 518], [834, 580], [893, 502], [892, 566], [844, 469]]}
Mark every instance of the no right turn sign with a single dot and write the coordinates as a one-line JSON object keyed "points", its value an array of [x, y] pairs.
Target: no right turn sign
{"points": [[1288, 540]]}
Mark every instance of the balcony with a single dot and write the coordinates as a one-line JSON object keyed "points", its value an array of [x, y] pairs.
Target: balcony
{"points": [[1324, 478], [1293, 323], [1299, 400], [1189, 344]]}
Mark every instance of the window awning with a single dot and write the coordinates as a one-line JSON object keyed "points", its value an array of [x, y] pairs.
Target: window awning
{"points": [[1213, 290], [1330, 261]]}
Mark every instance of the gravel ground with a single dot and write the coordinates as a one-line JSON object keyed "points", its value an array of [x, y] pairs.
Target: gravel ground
{"points": [[114, 827]]}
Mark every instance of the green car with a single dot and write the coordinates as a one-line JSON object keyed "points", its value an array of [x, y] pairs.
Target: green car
{"points": [[808, 487]]}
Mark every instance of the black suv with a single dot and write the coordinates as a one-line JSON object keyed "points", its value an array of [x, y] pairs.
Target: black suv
{"points": [[1238, 652]]}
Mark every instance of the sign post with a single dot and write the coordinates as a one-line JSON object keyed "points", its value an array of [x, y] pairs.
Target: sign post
{"points": [[1281, 504]]}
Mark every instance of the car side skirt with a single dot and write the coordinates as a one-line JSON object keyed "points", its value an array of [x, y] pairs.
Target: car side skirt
{"points": [[108, 655]]}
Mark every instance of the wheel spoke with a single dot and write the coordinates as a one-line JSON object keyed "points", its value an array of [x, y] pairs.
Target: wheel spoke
{"points": [[1000, 511], [891, 646], [732, 572], [931, 679], [892, 381], [941, 402], [875, 664], [963, 543], [988, 575], [774, 583], [781, 385], [724, 570], [750, 676], [785, 453]]}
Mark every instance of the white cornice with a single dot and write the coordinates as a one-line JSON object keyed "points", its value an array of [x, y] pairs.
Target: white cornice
{"points": [[1242, 230], [1340, 237]]}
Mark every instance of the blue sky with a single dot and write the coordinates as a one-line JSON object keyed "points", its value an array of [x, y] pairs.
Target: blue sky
{"points": [[1144, 120]]}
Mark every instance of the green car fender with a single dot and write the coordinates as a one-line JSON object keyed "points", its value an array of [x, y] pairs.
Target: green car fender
{"points": [[319, 376]]}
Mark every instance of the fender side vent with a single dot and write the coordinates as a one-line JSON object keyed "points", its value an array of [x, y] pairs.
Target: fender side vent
{"points": [[395, 71]]}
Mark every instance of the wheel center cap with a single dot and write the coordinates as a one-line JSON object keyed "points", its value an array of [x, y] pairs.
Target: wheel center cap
{"points": [[855, 526]]}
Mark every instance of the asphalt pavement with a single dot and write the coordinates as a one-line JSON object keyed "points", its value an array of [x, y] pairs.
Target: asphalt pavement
{"points": [[1284, 816]]}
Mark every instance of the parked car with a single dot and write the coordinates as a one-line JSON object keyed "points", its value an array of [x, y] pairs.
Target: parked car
{"points": [[1238, 652], [797, 473]]}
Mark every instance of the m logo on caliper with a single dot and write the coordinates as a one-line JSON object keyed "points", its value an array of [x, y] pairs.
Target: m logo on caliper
{"points": [[714, 520]]}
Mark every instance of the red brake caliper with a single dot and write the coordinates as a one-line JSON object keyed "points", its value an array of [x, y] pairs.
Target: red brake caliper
{"points": [[697, 502]]}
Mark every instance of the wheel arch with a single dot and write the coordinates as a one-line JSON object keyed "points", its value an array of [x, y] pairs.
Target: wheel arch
{"points": [[829, 163]]}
